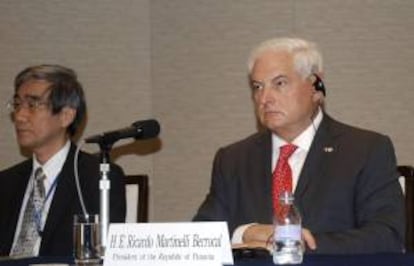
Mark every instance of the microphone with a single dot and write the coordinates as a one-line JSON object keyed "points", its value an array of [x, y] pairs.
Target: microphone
{"points": [[144, 129]]}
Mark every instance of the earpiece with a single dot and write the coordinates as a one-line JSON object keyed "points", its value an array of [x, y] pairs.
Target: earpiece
{"points": [[318, 84]]}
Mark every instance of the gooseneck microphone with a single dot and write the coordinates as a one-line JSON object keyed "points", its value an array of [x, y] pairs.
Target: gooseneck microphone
{"points": [[143, 129]]}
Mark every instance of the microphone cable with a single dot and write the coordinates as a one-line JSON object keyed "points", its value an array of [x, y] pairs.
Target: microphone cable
{"points": [[312, 119], [76, 171]]}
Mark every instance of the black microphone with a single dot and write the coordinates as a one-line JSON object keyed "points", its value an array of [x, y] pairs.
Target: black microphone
{"points": [[144, 129]]}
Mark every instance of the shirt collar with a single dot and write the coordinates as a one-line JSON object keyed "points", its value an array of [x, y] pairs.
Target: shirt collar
{"points": [[304, 140], [54, 165]]}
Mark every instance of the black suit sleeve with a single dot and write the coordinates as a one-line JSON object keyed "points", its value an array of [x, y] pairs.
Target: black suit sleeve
{"points": [[240, 184], [215, 206]]}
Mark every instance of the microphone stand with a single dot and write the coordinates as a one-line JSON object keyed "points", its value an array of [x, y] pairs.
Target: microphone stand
{"points": [[104, 189], [140, 129]]}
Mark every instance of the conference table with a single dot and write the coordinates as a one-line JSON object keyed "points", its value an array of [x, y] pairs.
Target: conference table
{"points": [[309, 260]]}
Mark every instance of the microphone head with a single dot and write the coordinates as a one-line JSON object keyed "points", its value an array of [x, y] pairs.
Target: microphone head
{"points": [[147, 128]]}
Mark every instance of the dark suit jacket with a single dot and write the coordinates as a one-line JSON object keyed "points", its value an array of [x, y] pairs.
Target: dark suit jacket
{"points": [[57, 239], [348, 194]]}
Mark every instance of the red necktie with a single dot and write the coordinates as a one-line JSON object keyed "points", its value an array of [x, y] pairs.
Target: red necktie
{"points": [[282, 176]]}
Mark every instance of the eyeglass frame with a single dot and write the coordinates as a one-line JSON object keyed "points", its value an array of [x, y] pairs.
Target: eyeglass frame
{"points": [[31, 103]]}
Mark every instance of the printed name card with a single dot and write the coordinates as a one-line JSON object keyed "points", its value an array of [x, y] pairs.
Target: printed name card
{"points": [[148, 244]]}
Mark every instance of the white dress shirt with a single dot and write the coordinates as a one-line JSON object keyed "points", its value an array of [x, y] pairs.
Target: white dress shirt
{"points": [[51, 169], [296, 161]]}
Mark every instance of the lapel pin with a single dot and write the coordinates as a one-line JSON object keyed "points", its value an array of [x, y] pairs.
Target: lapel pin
{"points": [[328, 149]]}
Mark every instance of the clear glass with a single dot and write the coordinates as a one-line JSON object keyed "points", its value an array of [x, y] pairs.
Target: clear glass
{"points": [[86, 239], [287, 242]]}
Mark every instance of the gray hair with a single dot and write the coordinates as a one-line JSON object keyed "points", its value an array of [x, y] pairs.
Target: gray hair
{"points": [[65, 89], [306, 57]]}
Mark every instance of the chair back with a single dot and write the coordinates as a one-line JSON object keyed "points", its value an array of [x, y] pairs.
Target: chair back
{"points": [[407, 172], [143, 195]]}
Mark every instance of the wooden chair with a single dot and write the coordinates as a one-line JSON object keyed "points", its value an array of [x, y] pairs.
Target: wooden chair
{"points": [[408, 173], [143, 195]]}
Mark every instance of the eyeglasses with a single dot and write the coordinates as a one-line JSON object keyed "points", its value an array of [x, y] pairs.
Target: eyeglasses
{"points": [[31, 103]]}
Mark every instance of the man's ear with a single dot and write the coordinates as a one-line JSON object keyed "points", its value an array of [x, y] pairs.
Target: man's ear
{"points": [[67, 116]]}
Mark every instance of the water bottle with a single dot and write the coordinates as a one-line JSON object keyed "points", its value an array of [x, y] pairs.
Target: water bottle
{"points": [[287, 246]]}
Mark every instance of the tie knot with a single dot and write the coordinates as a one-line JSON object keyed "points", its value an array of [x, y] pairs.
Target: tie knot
{"points": [[39, 174], [287, 150]]}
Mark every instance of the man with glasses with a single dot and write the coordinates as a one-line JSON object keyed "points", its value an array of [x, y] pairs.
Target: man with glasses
{"points": [[38, 197]]}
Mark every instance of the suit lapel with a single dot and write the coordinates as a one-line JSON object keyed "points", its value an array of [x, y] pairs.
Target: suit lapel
{"points": [[317, 160], [63, 198], [20, 180]]}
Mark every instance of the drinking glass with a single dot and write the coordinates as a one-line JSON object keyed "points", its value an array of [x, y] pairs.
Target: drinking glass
{"points": [[86, 239]]}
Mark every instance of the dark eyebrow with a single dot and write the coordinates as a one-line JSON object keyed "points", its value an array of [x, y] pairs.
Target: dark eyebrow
{"points": [[29, 96], [32, 96]]}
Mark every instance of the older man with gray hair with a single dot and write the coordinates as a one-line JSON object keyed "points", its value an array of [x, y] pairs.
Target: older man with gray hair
{"points": [[343, 178]]}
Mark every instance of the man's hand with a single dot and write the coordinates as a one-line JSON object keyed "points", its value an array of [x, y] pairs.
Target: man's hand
{"points": [[308, 240], [261, 235], [258, 233]]}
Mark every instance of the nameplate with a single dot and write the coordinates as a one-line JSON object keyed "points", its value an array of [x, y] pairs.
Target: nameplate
{"points": [[172, 244]]}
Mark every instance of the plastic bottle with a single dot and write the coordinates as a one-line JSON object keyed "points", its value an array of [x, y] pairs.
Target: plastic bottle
{"points": [[287, 245]]}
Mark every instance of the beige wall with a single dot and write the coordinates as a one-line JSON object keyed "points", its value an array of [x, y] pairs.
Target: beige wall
{"points": [[183, 63], [107, 44]]}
